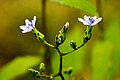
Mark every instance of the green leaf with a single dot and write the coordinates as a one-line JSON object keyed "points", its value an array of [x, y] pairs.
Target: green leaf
{"points": [[18, 66], [101, 54], [84, 5], [78, 63]]}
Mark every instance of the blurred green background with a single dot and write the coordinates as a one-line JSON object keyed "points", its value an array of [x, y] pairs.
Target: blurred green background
{"points": [[99, 59]]}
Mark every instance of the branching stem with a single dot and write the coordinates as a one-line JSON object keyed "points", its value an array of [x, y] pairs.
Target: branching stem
{"points": [[74, 49], [60, 68]]}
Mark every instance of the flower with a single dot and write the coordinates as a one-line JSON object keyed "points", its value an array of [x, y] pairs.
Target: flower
{"points": [[29, 25], [90, 21]]}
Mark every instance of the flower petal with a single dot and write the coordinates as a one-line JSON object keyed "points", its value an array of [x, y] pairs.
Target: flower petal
{"points": [[26, 29], [94, 18], [33, 21], [27, 22], [23, 27], [83, 21], [86, 18], [96, 21]]}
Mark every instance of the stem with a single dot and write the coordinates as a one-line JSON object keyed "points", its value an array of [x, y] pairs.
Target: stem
{"points": [[74, 49], [44, 76], [60, 68], [88, 30], [61, 60], [55, 75], [50, 45], [62, 77]]}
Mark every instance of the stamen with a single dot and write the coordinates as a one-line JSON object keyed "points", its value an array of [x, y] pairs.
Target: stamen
{"points": [[30, 25], [91, 20]]}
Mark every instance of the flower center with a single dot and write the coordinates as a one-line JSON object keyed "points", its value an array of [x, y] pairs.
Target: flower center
{"points": [[30, 25], [91, 20]]}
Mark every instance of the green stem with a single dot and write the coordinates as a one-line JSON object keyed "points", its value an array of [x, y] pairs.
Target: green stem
{"points": [[55, 75], [74, 49], [87, 36], [60, 70], [44, 76], [41, 37], [61, 60], [50, 45]]}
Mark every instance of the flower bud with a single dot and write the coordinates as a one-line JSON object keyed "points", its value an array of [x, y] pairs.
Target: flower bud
{"points": [[73, 44], [51, 77], [42, 67], [35, 73], [68, 70], [61, 36]]}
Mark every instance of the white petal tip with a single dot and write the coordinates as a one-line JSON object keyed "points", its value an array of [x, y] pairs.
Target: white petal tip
{"points": [[24, 31], [34, 18], [83, 21], [67, 23], [79, 19], [22, 27], [26, 20], [100, 18]]}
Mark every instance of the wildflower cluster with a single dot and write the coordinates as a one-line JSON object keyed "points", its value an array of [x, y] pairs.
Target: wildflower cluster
{"points": [[59, 39]]}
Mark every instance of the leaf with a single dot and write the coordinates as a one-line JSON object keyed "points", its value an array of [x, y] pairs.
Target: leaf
{"points": [[75, 59], [84, 5], [18, 66]]}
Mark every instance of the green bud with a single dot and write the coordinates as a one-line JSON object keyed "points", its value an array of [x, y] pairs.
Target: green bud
{"points": [[39, 35], [87, 34], [68, 70], [51, 77], [73, 44], [61, 36], [35, 73], [42, 67]]}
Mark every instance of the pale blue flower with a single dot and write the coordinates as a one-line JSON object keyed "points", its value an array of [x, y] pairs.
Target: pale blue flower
{"points": [[29, 25], [90, 21]]}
